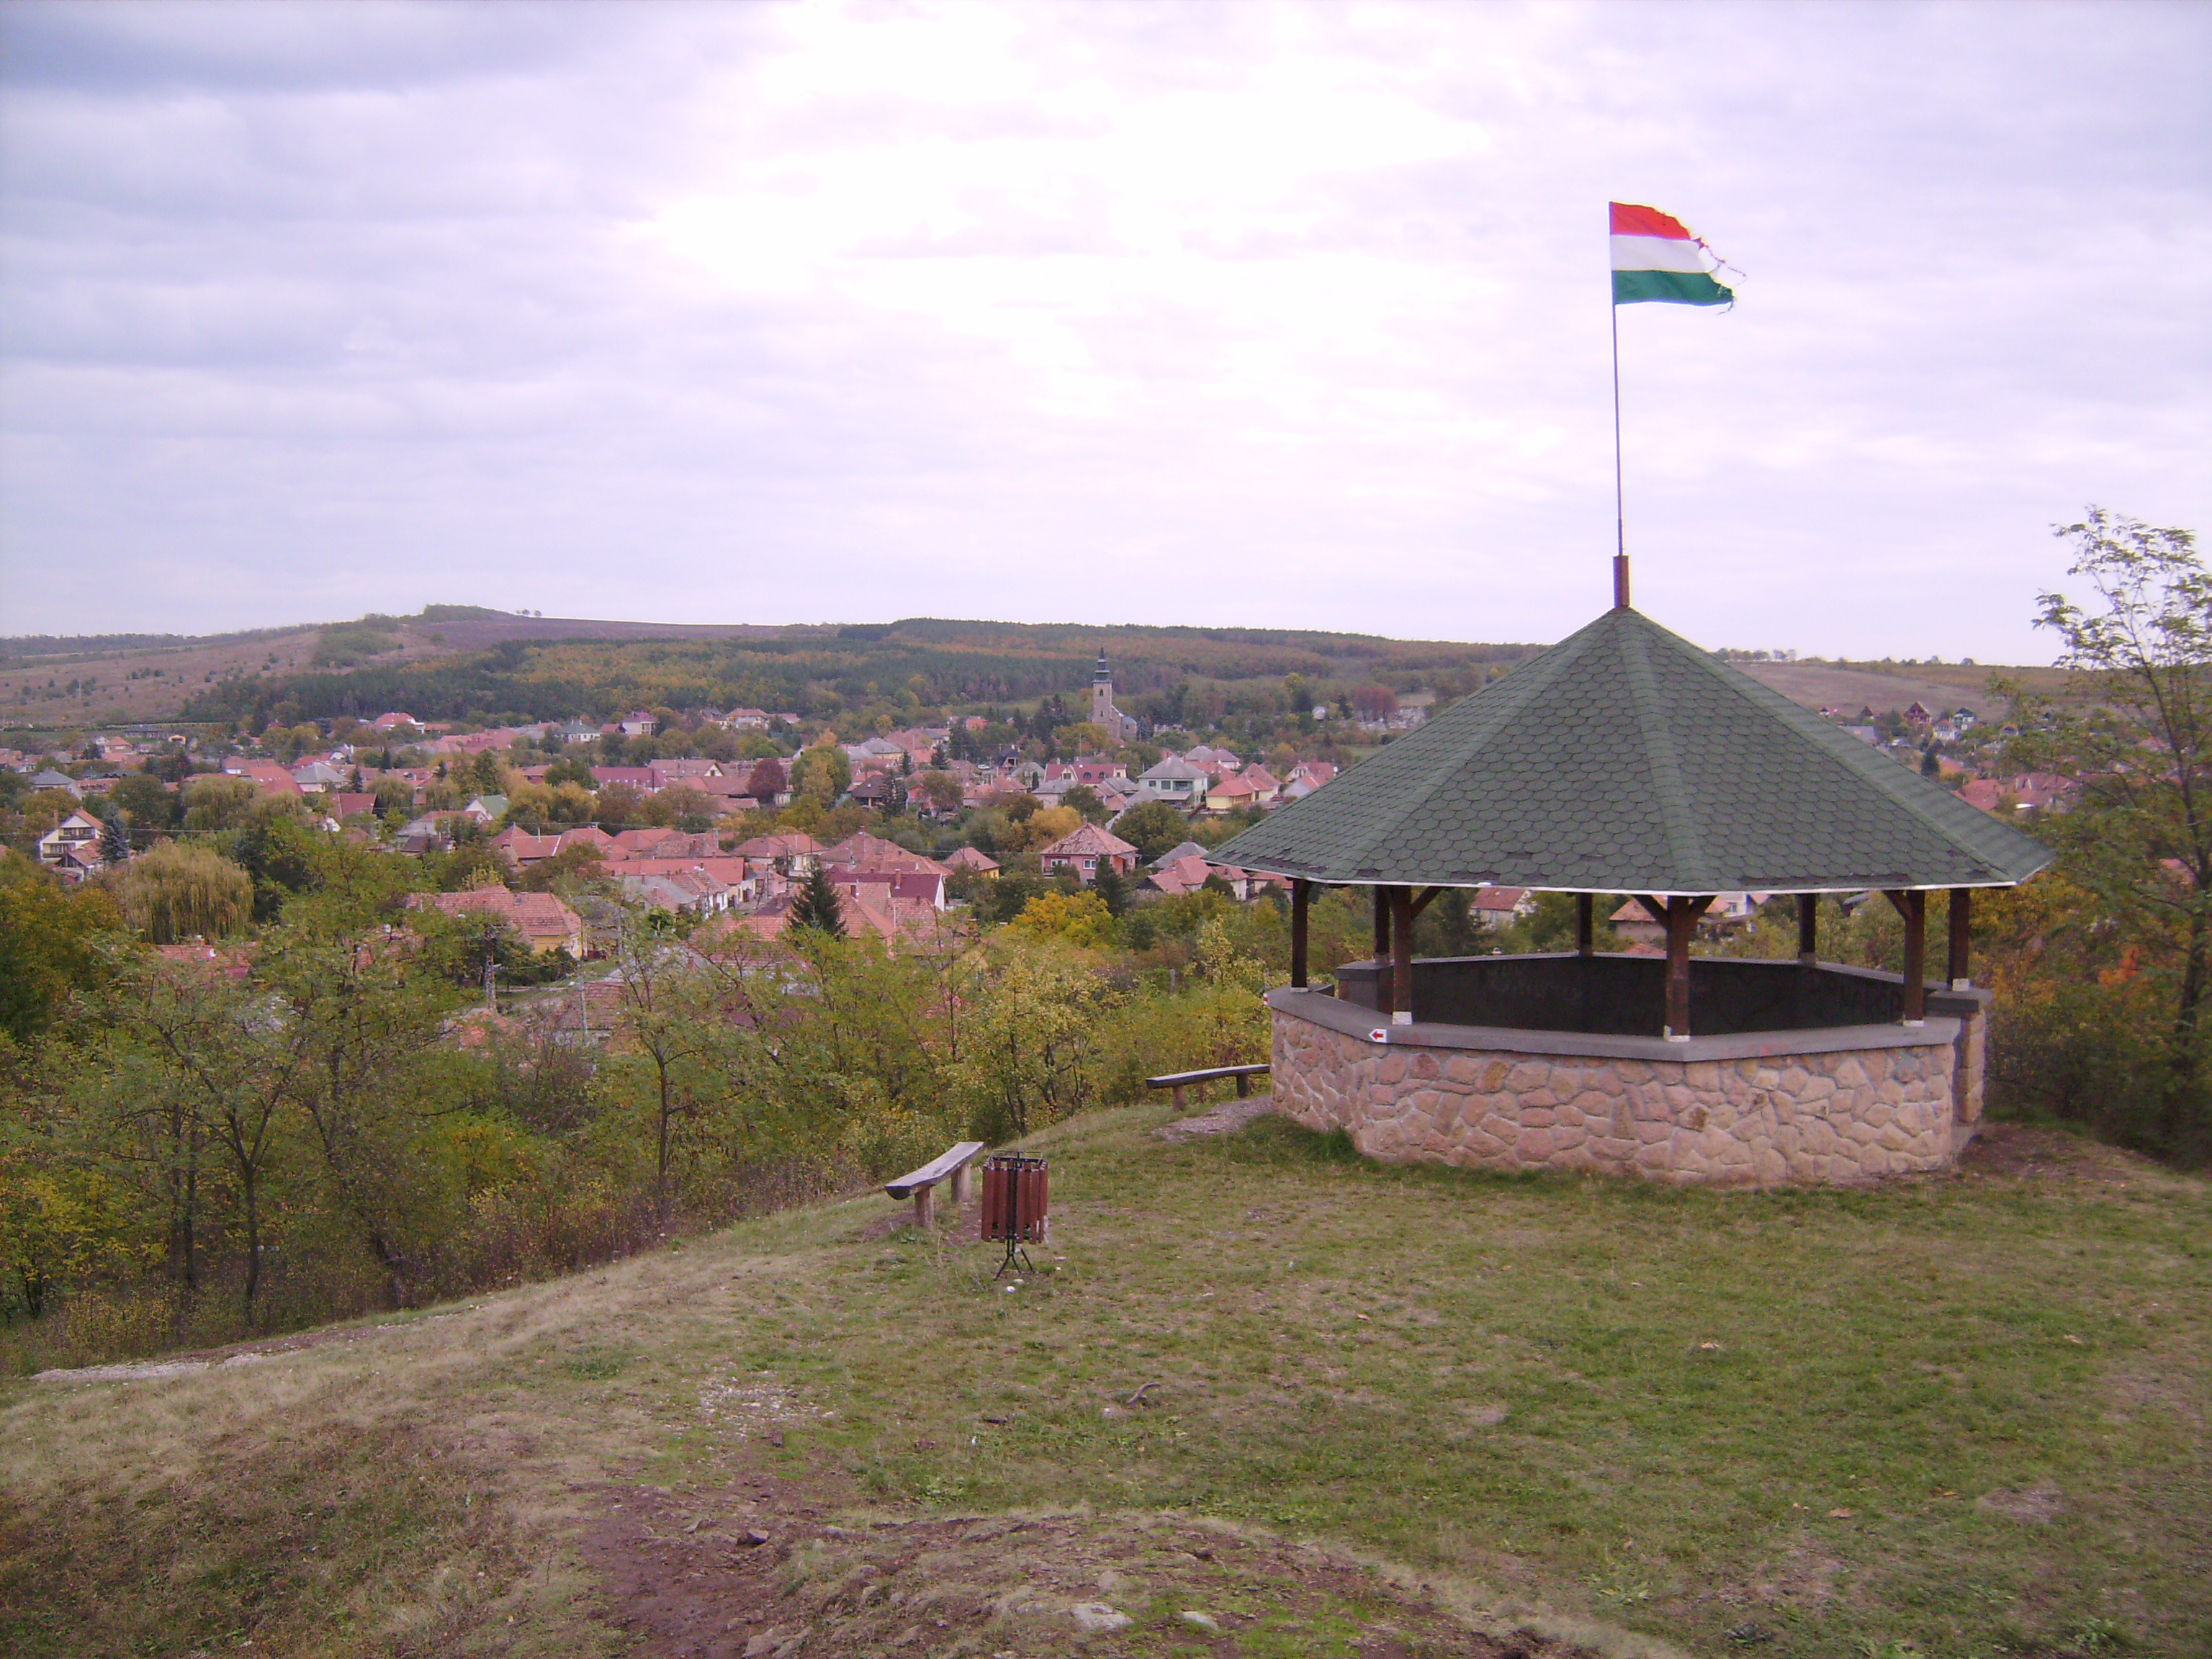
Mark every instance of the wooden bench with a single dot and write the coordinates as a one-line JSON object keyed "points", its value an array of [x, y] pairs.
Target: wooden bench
{"points": [[1180, 1081], [920, 1184]]}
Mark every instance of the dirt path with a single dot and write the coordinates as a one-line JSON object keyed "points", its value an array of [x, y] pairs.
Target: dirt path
{"points": [[1230, 1115], [754, 1570]]}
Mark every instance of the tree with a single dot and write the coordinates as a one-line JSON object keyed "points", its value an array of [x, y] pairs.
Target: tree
{"points": [[822, 773], [173, 892], [816, 907], [1375, 702], [1107, 884], [48, 939], [196, 1060], [941, 789], [366, 1029], [620, 806], [767, 781], [2136, 729], [1152, 828], [214, 802], [1084, 801], [689, 809], [1080, 919], [147, 802], [114, 839]]}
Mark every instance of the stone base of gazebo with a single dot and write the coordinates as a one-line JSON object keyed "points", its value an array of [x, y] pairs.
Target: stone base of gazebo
{"points": [[1834, 1102]]}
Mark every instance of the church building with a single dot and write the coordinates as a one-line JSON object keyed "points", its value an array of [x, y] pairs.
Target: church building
{"points": [[1116, 725]]}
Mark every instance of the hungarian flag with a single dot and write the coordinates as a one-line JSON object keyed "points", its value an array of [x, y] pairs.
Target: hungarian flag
{"points": [[1654, 257]]}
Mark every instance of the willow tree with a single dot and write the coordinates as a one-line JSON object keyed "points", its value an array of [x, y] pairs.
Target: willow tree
{"points": [[173, 892]]}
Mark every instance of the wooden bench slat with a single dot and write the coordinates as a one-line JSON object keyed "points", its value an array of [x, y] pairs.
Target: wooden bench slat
{"points": [[1179, 1079], [934, 1171]]}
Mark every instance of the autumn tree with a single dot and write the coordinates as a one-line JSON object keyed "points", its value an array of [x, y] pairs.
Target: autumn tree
{"points": [[2135, 727]]}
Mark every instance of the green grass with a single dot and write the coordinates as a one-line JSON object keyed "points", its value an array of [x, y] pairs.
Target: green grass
{"points": [[1640, 1403], [1624, 1404]]}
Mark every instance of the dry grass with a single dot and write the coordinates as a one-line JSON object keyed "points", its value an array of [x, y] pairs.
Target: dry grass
{"points": [[1469, 1395]]}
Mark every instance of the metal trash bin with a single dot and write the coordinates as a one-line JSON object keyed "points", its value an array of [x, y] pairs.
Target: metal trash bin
{"points": [[1016, 1195]]}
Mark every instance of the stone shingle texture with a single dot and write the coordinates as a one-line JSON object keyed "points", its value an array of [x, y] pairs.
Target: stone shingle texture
{"points": [[1626, 759]]}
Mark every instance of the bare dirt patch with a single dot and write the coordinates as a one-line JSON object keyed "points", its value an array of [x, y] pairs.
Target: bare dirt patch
{"points": [[2040, 1503], [235, 1353], [1224, 1119], [2027, 1151], [758, 1569]]}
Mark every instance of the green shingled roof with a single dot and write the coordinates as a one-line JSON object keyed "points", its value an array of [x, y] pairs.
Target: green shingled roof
{"points": [[1625, 759]]}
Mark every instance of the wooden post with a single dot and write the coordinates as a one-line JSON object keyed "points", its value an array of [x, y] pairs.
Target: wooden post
{"points": [[1913, 906], [1401, 956], [1679, 920], [960, 1187], [922, 1207], [1916, 957], [1961, 974], [1381, 950], [1808, 928], [1585, 925], [1301, 900]]}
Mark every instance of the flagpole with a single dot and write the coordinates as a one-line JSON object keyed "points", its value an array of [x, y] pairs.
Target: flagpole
{"points": [[1619, 511]]}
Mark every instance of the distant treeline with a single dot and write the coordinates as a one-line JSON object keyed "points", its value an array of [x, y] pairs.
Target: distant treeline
{"points": [[26, 647], [813, 671]]}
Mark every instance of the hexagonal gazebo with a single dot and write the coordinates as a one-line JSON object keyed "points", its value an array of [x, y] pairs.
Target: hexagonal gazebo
{"points": [[1625, 760]]}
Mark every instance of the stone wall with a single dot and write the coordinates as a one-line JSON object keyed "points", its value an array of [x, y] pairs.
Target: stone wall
{"points": [[1842, 1115]]}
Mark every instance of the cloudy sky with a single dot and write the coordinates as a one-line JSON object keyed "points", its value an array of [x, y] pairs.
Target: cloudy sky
{"points": [[1285, 315]]}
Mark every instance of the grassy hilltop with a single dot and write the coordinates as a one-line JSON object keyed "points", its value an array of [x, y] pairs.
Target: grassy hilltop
{"points": [[1335, 1407]]}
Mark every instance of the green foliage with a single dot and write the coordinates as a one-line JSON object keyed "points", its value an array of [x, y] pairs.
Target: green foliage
{"points": [[213, 802], [1078, 918], [817, 907], [1035, 1049], [351, 643], [175, 891], [48, 945], [1152, 828], [821, 773], [2125, 977]]}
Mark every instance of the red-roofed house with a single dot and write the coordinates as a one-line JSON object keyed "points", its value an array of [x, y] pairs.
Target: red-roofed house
{"points": [[1081, 850], [862, 851], [524, 850], [267, 776], [540, 918], [921, 886], [1500, 907]]}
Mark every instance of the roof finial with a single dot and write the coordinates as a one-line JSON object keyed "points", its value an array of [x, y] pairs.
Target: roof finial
{"points": [[1621, 582]]}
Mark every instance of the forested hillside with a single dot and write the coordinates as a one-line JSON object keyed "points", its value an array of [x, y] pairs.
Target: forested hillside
{"points": [[816, 671]]}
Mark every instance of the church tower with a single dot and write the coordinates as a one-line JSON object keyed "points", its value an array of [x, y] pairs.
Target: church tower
{"points": [[1102, 712]]}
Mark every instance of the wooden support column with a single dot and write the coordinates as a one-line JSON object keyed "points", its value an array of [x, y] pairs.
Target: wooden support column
{"points": [[1679, 920], [1681, 914], [1585, 924], [1913, 906], [1808, 928], [1301, 900], [1382, 976], [1960, 965], [1401, 956]]}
